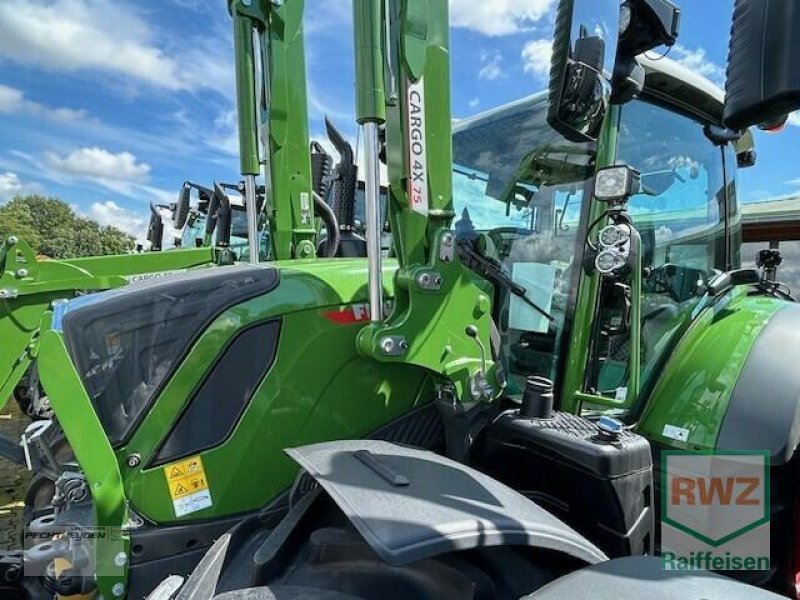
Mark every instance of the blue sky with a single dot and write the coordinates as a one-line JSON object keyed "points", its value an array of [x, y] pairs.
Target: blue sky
{"points": [[111, 104]]}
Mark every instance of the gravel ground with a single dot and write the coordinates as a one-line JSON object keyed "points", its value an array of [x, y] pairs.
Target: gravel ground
{"points": [[13, 481]]}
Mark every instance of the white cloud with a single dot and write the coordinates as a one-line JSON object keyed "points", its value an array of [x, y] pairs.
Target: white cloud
{"points": [[474, 103], [13, 101], [794, 119], [100, 163], [537, 56], [226, 133], [105, 36], [491, 68], [498, 17], [697, 60], [11, 185], [112, 214]]}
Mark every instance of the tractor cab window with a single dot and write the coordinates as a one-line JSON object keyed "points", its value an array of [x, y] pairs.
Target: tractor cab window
{"points": [[194, 232], [519, 193], [681, 216]]}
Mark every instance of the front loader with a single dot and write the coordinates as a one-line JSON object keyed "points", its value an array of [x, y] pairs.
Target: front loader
{"points": [[179, 397]]}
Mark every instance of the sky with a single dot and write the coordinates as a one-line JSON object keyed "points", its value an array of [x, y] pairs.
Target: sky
{"points": [[112, 104]]}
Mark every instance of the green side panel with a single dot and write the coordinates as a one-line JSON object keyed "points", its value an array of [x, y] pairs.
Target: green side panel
{"points": [[695, 387], [31, 285], [318, 388]]}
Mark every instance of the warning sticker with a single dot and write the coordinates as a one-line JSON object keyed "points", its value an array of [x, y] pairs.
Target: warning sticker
{"points": [[188, 487]]}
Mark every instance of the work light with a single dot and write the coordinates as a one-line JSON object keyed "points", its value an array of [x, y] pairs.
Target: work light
{"points": [[613, 184], [612, 235]]}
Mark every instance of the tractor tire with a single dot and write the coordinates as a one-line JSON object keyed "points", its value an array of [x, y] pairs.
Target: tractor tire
{"points": [[33, 403], [41, 489]]}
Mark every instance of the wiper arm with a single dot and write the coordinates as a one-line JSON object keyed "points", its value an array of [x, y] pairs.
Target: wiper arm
{"points": [[493, 272]]}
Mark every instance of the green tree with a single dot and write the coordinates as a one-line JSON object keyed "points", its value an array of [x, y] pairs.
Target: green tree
{"points": [[52, 228], [16, 219]]}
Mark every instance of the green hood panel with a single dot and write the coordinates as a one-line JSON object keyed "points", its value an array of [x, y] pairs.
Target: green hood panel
{"points": [[318, 388]]}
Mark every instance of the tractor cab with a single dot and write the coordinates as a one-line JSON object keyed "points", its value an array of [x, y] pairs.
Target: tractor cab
{"points": [[522, 196]]}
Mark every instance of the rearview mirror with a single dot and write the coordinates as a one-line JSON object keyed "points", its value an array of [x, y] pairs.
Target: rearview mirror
{"points": [[584, 53], [181, 212], [155, 229], [763, 63], [213, 213]]}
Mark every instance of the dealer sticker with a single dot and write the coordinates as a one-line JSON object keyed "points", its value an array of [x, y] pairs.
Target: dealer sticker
{"points": [[678, 434], [188, 486]]}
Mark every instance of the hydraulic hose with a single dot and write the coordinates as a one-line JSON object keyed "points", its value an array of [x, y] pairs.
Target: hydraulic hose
{"points": [[331, 225]]}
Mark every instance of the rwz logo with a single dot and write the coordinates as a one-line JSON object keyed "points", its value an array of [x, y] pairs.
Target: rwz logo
{"points": [[715, 510], [725, 491]]}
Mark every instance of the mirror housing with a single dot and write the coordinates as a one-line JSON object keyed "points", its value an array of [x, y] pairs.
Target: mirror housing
{"points": [[212, 208], [584, 54], [155, 229], [763, 83], [647, 24], [181, 211], [223, 216]]}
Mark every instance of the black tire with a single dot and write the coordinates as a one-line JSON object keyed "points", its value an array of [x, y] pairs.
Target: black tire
{"points": [[39, 495]]}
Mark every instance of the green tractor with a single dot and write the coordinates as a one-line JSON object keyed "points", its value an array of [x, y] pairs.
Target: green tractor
{"points": [[380, 427]]}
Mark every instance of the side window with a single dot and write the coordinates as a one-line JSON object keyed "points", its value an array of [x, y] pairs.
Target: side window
{"points": [[219, 402], [194, 231], [680, 214], [681, 209], [519, 194]]}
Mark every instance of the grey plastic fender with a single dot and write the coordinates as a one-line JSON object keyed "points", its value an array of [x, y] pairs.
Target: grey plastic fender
{"points": [[411, 504], [642, 577], [764, 409]]}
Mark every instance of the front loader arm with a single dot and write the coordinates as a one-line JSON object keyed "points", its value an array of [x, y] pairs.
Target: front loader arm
{"points": [[273, 114], [405, 80], [402, 46]]}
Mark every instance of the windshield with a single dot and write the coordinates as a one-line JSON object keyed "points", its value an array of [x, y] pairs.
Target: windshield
{"points": [[518, 192]]}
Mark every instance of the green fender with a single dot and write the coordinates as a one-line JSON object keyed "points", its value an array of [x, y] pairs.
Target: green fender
{"points": [[688, 405]]}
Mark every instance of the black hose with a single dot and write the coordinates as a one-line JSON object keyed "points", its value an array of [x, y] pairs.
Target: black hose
{"points": [[331, 226]]}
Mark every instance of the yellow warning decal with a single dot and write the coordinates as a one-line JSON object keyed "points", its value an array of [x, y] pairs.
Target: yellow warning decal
{"points": [[186, 477]]}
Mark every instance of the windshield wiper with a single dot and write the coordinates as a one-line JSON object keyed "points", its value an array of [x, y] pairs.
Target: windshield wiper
{"points": [[495, 273]]}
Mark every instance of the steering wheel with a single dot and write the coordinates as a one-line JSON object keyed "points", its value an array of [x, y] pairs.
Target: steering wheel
{"points": [[659, 281]]}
